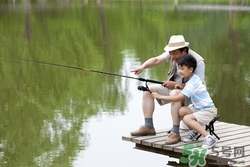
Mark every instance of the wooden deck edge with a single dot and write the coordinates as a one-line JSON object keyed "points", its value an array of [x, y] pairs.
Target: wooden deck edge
{"points": [[158, 151], [135, 138], [210, 162], [126, 138]]}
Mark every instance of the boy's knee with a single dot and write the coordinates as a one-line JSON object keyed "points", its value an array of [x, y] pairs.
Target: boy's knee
{"points": [[187, 118], [174, 92], [183, 111]]}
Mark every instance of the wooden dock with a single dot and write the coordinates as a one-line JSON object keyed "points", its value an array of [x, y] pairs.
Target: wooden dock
{"points": [[233, 148]]}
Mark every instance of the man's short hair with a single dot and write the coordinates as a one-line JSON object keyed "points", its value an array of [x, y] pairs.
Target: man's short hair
{"points": [[189, 61], [185, 48]]}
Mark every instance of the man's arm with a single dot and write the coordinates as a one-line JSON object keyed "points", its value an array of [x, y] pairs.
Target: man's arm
{"points": [[149, 63]]}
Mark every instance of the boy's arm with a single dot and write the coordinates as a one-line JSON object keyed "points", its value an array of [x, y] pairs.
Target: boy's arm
{"points": [[176, 98]]}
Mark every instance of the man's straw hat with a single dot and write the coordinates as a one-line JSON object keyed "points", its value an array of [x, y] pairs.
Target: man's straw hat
{"points": [[176, 42]]}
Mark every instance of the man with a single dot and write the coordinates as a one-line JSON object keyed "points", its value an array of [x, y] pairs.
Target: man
{"points": [[176, 48]]}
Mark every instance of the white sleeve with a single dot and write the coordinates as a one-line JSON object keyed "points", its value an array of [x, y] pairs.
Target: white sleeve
{"points": [[166, 55], [200, 70]]}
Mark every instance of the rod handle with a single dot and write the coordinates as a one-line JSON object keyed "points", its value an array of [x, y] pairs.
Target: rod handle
{"points": [[149, 80]]}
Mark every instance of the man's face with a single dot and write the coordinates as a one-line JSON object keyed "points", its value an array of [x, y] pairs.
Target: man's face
{"points": [[176, 55]]}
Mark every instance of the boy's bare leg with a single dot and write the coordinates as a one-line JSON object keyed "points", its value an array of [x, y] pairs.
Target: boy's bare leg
{"points": [[192, 123], [183, 111]]}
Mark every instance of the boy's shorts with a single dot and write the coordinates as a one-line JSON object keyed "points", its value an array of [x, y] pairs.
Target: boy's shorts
{"points": [[204, 116]]}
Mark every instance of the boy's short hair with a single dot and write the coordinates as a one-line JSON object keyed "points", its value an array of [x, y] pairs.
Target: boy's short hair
{"points": [[188, 60]]}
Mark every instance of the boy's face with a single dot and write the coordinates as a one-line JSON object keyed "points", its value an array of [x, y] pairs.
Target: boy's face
{"points": [[176, 55], [185, 72]]}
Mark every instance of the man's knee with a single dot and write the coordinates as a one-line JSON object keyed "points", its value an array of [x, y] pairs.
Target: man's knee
{"points": [[147, 94], [182, 113], [153, 88]]}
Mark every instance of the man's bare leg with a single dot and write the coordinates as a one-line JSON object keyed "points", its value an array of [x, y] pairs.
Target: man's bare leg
{"points": [[174, 136], [175, 106], [148, 107]]}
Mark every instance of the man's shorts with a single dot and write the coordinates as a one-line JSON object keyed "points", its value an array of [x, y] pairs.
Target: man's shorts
{"points": [[165, 91], [204, 116]]}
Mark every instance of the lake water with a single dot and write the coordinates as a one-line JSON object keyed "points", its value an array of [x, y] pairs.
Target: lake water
{"points": [[53, 114]]}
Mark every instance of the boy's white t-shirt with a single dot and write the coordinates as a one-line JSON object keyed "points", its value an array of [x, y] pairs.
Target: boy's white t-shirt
{"points": [[198, 93]]}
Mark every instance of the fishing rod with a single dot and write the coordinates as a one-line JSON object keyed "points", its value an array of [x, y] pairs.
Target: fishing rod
{"points": [[84, 69]]}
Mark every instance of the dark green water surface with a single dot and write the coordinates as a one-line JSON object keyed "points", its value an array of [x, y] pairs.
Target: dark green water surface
{"points": [[63, 117]]}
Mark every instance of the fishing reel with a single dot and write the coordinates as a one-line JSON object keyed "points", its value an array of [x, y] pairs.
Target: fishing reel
{"points": [[144, 88]]}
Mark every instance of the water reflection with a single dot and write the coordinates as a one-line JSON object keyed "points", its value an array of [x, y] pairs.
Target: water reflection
{"points": [[105, 147], [59, 117]]}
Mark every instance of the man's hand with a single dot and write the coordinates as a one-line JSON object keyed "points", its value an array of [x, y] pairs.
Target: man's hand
{"points": [[169, 84], [137, 70], [179, 86]]}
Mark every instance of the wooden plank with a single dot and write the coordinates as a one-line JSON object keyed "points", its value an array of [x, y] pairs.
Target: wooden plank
{"points": [[172, 146], [130, 138], [227, 128], [234, 139], [139, 139], [127, 138], [161, 139], [161, 143], [226, 136], [218, 124], [149, 142]]}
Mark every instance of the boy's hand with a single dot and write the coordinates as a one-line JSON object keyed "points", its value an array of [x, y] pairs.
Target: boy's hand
{"points": [[155, 95]]}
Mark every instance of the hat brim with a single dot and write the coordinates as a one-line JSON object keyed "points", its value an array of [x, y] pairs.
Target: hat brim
{"points": [[168, 49]]}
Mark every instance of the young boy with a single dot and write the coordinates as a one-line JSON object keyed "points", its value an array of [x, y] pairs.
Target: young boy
{"points": [[202, 111]]}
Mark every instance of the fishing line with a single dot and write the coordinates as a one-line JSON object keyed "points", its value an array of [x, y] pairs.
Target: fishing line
{"points": [[83, 69]]}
